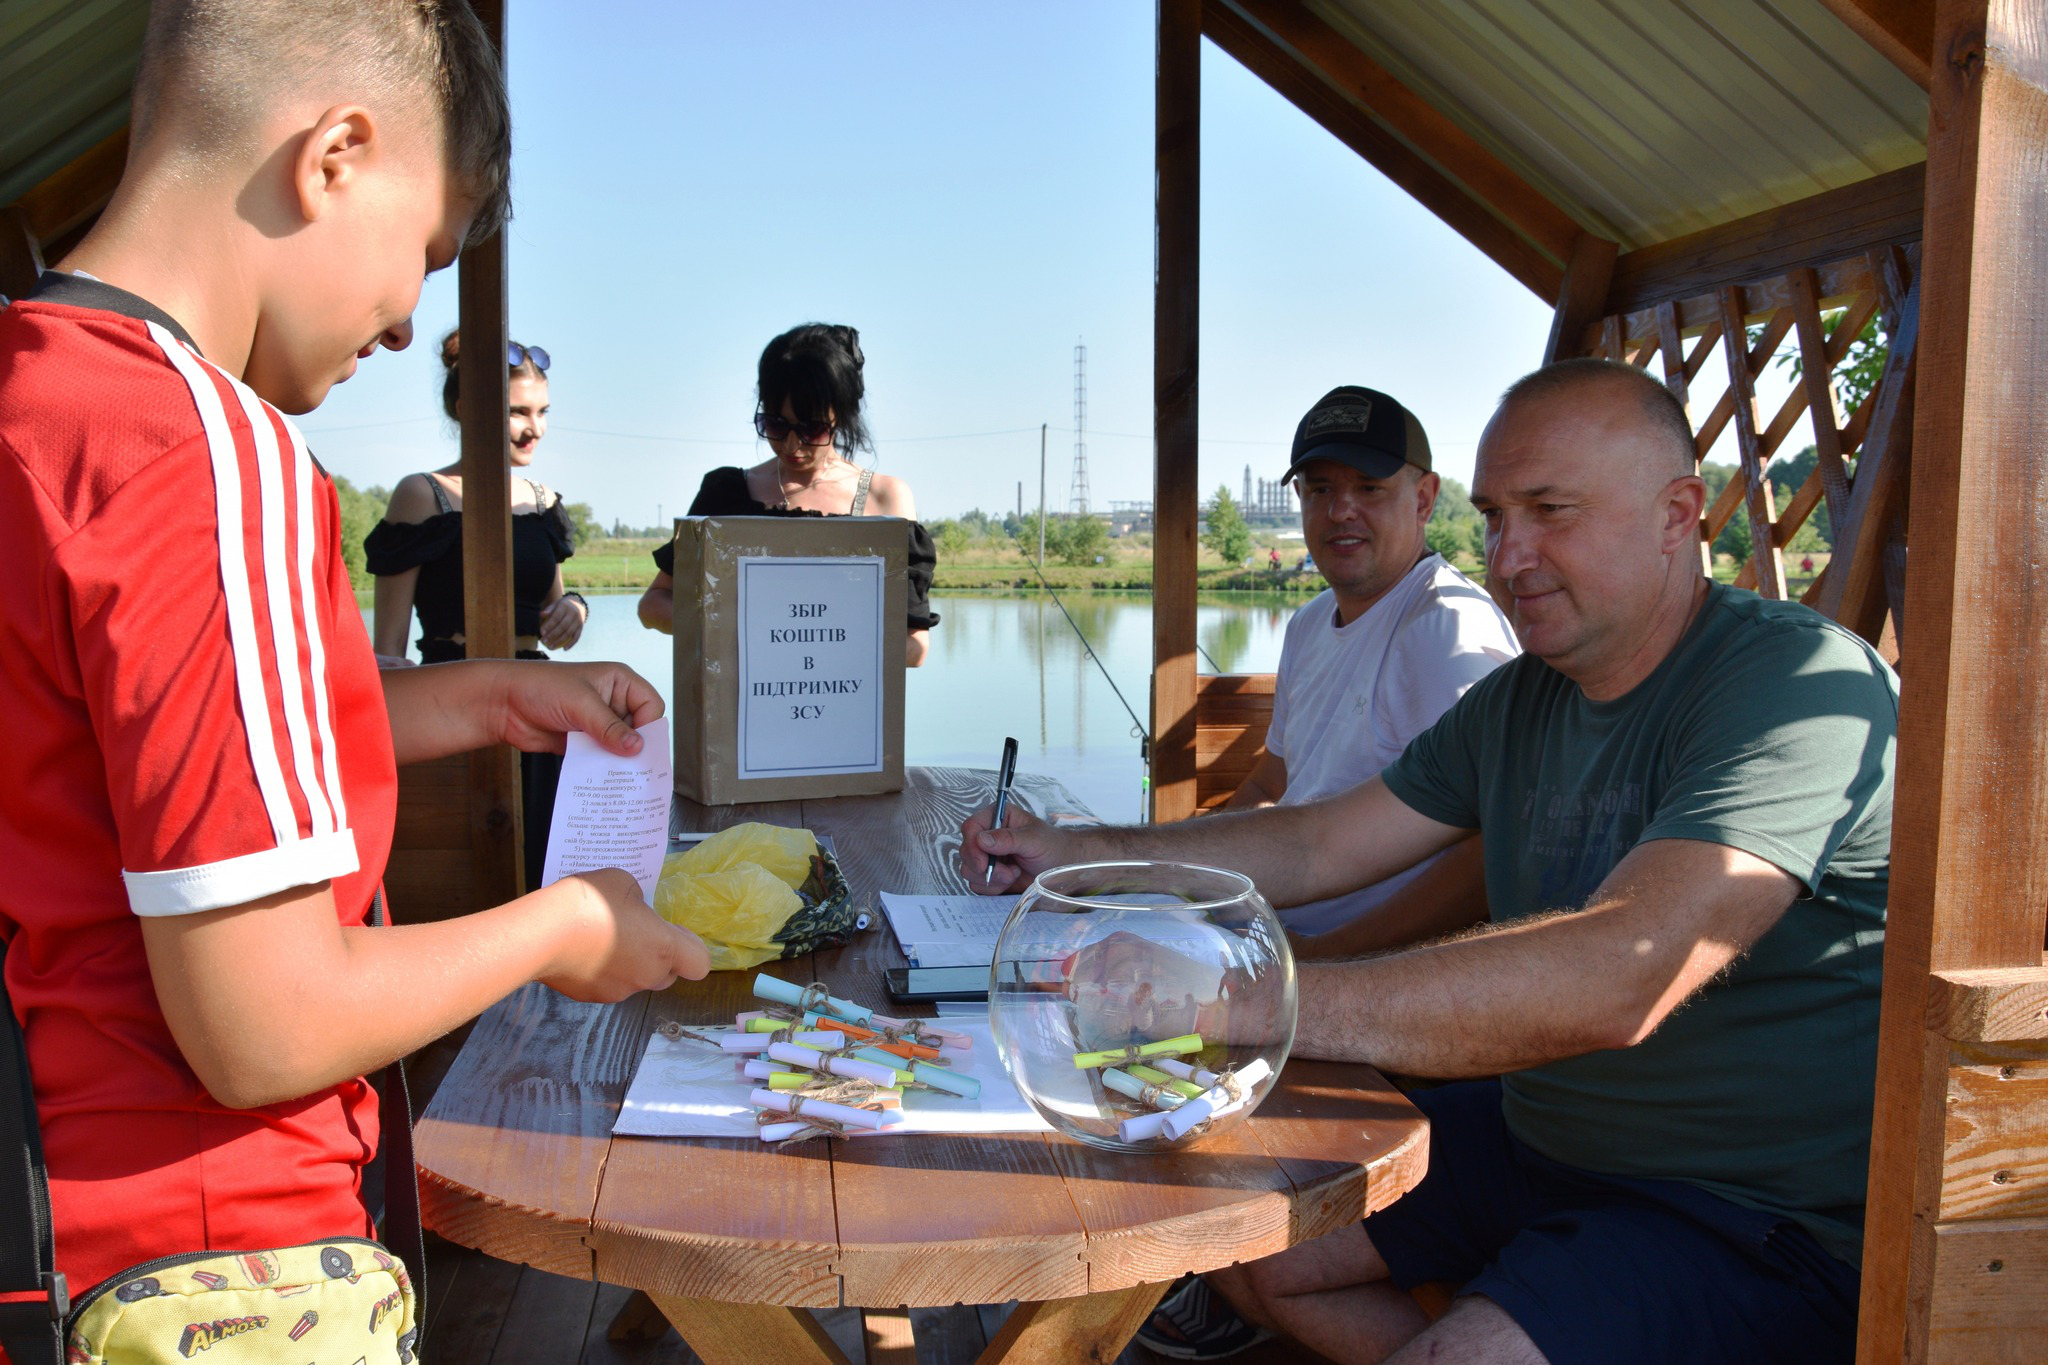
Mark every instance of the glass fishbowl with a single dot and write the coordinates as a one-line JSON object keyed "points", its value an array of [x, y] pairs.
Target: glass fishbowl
{"points": [[1142, 1006]]}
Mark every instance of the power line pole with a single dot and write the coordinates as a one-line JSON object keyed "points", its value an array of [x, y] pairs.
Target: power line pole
{"points": [[1042, 428], [1078, 501]]}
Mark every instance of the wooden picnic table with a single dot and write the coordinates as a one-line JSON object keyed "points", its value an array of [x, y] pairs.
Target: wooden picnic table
{"points": [[731, 1237]]}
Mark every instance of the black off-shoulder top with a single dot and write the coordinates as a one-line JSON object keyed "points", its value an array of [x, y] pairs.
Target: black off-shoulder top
{"points": [[540, 540], [724, 493]]}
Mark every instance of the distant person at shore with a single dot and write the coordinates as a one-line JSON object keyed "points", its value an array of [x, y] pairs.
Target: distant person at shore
{"points": [[197, 799], [1375, 658], [416, 554], [811, 400]]}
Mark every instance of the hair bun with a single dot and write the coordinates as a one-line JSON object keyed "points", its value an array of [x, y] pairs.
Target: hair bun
{"points": [[451, 348], [851, 338]]}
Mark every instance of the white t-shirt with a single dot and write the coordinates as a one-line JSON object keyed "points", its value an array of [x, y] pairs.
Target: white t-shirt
{"points": [[1350, 697]]}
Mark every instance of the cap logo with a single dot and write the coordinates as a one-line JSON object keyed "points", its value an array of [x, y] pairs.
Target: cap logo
{"points": [[1352, 414]]}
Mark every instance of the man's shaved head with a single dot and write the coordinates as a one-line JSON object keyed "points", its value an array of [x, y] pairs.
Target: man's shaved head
{"points": [[1669, 447], [213, 72]]}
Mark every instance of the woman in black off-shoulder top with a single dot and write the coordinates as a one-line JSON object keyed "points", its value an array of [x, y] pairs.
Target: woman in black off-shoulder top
{"points": [[811, 399], [416, 554]]}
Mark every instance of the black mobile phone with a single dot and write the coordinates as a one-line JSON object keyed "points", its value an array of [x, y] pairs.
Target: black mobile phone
{"points": [[910, 984]]}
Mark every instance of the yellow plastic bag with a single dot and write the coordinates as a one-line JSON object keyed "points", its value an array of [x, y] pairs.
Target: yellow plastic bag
{"points": [[739, 890], [782, 851]]}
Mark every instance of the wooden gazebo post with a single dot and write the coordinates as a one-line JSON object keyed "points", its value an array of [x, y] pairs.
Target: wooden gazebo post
{"points": [[1958, 1218], [1176, 477], [496, 872]]}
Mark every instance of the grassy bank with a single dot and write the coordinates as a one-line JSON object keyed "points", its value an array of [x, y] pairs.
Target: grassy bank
{"points": [[613, 565]]}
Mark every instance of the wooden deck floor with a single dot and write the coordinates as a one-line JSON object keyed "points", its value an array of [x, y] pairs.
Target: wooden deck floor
{"points": [[483, 1311]]}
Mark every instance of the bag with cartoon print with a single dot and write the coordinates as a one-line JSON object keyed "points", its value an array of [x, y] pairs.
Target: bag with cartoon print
{"points": [[338, 1301], [344, 1300]]}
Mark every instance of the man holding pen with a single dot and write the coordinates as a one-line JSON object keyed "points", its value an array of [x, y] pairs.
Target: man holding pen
{"points": [[1685, 793]]}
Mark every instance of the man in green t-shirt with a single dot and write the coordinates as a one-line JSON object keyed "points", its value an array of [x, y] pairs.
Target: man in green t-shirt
{"points": [[1685, 793]]}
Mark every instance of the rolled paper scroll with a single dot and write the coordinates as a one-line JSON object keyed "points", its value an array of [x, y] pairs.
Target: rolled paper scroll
{"points": [[1145, 1127], [819, 1041], [1217, 1100], [890, 1060], [787, 993], [874, 1038], [1158, 1096], [1187, 1090], [1200, 1076], [921, 1030], [797, 1080], [760, 1070], [797, 1106], [782, 1132], [939, 1078], [1165, 1047], [838, 1066]]}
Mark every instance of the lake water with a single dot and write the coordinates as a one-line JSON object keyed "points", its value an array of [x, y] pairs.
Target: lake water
{"points": [[1011, 665]]}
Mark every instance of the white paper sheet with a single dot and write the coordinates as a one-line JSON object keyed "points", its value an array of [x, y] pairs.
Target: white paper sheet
{"points": [[947, 931], [685, 1088], [612, 811]]}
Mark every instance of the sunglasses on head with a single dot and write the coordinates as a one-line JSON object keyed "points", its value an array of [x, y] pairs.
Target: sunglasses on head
{"points": [[517, 355], [777, 429]]}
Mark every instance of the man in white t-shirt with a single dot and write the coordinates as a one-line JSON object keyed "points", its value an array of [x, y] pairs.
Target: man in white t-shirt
{"points": [[1377, 657]]}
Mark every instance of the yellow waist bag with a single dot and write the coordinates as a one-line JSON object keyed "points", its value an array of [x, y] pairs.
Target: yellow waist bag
{"points": [[339, 1301], [343, 1300]]}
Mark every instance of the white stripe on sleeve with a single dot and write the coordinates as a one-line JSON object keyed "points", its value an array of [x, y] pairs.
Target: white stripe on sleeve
{"points": [[234, 576], [237, 881], [316, 645], [279, 532]]}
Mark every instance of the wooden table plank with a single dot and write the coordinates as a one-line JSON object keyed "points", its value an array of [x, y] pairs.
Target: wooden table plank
{"points": [[708, 1218], [900, 1196], [1151, 1218], [895, 1195], [552, 1071], [1349, 1142]]}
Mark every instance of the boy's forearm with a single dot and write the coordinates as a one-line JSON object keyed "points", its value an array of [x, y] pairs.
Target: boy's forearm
{"points": [[308, 1009], [441, 709]]}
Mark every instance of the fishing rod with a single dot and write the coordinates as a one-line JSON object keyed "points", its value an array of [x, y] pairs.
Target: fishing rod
{"points": [[1137, 726]]}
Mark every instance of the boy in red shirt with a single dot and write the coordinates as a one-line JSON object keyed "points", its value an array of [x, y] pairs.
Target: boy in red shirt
{"points": [[198, 788]]}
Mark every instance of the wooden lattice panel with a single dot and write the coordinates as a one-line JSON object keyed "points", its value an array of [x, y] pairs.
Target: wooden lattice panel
{"points": [[1713, 349]]}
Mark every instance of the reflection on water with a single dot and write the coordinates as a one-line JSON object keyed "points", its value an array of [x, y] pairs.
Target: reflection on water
{"points": [[1011, 665]]}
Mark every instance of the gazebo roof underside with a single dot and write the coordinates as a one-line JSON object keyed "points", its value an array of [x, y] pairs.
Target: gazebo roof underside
{"points": [[1647, 122]]}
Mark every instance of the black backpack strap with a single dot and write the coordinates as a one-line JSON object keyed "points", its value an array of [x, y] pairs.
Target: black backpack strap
{"points": [[37, 1302], [402, 1230]]}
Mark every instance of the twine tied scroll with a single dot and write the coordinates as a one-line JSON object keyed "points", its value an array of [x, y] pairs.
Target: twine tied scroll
{"points": [[1229, 1084]]}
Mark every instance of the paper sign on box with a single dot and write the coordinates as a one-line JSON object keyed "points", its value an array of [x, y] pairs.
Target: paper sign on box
{"points": [[790, 636]]}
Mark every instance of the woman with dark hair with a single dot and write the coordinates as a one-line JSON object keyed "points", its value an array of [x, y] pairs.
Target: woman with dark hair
{"points": [[811, 400], [416, 554]]}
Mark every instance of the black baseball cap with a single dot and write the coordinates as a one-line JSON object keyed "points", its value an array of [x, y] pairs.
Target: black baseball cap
{"points": [[1362, 428]]}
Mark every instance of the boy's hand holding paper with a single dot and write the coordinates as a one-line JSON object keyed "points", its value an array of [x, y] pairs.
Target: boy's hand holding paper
{"points": [[611, 810]]}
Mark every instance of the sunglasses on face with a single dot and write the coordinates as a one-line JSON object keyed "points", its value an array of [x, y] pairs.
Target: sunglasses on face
{"points": [[517, 355], [777, 429]]}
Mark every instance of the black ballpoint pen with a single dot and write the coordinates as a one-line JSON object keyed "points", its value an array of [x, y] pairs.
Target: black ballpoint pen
{"points": [[1005, 775]]}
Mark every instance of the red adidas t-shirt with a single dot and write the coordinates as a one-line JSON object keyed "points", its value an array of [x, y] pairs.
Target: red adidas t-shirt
{"points": [[193, 721]]}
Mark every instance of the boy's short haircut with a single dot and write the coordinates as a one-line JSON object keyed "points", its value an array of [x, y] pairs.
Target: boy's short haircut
{"points": [[211, 67]]}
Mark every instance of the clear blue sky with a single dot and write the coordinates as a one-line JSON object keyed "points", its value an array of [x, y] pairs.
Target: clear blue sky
{"points": [[970, 186]]}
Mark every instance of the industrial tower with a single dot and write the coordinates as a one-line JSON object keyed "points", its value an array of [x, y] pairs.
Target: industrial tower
{"points": [[1077, 500]]}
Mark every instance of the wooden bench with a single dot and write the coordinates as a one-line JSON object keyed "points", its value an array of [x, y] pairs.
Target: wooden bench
{"points": [[1232, 711]]}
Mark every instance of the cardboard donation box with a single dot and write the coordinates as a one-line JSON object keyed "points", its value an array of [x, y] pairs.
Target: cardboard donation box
{"points": [[790, 636]]}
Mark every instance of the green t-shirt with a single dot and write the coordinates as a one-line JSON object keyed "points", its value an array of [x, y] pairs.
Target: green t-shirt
{"points": [[1768, 729]]}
